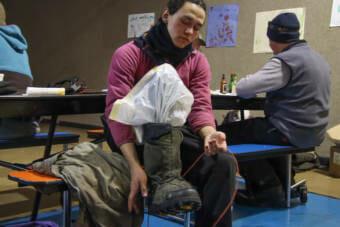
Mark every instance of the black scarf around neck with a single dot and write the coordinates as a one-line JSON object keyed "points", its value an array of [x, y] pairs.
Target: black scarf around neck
{"points": [[158, 41]]}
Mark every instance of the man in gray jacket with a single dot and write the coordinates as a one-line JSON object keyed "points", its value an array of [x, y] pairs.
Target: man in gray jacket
{"points": [[296, 81]]}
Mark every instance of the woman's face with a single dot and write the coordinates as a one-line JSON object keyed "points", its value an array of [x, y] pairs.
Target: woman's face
{"points": [[185, 24]]}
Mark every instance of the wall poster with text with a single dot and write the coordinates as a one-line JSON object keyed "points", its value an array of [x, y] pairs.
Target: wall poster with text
{"points": [[140, 23]]}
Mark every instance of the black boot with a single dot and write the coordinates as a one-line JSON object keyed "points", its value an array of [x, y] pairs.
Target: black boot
{"points": [[169, 191]]}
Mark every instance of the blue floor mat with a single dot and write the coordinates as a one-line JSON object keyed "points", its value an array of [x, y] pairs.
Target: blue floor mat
{"points": [[319, 211]]}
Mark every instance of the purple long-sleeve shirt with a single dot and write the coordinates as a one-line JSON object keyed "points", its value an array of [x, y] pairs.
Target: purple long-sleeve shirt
{"points": [[129, 64]]}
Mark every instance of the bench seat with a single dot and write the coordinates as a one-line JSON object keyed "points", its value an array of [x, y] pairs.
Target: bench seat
{"points": [[245, 152], [39, 139]]}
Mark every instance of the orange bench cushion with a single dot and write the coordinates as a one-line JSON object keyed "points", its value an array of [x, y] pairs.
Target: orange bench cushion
{"points": [[32, 177]]}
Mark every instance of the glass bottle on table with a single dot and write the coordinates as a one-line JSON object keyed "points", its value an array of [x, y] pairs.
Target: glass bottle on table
{"points": [[223, 85], [232, 83]]}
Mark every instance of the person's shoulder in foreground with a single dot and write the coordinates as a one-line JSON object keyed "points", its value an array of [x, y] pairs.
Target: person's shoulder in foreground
{"points": [[13, 48]]}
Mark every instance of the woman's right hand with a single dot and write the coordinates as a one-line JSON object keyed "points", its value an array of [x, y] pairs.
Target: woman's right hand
{"points": [[138, 177], [138, 183]]}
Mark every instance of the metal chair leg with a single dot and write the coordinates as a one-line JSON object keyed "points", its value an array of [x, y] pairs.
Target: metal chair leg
{"points": [[36, 206], [47, 152], [288, 180], [67, 204], [187, 219]]}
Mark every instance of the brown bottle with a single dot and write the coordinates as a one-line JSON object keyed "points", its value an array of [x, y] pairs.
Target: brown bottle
{"points": [[223, 85]]}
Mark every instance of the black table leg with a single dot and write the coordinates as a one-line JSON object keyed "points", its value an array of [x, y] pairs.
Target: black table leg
{"points": [[47, 153]]}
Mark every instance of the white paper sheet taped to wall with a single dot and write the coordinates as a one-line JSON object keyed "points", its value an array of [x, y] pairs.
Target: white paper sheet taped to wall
{"points": [[37, 91]]}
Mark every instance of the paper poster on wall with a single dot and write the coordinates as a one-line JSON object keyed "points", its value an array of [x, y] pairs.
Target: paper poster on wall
{"points": [[140, 23], [335, 19], [261, 41], [222, 26]]}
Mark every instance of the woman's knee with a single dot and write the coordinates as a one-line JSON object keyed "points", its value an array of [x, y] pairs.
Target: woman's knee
{"points": [[226, 163]]}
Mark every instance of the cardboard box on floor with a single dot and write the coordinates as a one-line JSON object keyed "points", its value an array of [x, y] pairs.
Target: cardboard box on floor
{"points": [[334, 161], [334, 158]]}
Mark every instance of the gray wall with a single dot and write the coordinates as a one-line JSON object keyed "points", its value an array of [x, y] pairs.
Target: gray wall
{"points": [[78, 37], [74, 38]]}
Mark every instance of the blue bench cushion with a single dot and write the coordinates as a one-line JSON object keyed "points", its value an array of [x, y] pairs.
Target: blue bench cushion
{"points": [[40, 139], [256, 151]]}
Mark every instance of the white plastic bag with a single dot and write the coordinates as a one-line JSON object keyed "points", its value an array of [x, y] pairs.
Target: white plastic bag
{"points": [[159, 97]]}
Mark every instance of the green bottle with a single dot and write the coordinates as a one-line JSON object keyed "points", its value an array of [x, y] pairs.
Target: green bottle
{"points": [[232, 83]]}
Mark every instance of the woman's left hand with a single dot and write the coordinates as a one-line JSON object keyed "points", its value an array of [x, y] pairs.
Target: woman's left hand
{"points": [[215, 143]]}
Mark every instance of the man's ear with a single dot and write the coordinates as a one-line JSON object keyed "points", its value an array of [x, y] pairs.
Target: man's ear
{"points": [[165, 15]]}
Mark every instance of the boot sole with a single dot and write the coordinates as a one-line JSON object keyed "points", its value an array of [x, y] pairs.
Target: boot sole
{"points": [[186, 201]]}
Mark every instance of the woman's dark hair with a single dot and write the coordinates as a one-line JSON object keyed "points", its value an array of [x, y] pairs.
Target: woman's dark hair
{"points": [[175, 5]]}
